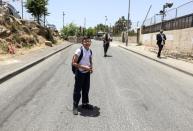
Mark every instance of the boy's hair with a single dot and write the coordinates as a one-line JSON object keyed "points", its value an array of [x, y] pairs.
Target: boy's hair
{"points": [[85, 38]]}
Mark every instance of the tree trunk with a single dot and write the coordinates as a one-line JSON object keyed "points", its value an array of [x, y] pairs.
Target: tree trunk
{"points": [[38, 19]]}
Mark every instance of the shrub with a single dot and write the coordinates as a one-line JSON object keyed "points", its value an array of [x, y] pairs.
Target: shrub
{"points": [[17, 38], [4, 47], [49, 36]]}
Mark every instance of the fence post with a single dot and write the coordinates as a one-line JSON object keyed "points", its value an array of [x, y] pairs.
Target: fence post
{"points": [[151, 25], [176, 12], [176, 18], [154, 19]]}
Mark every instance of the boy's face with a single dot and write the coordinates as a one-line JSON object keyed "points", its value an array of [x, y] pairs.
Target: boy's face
{"points": [[86, 43]]}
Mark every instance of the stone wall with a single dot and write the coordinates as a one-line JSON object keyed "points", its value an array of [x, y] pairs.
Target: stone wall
{"points": [[132, 39], [178, 41]]}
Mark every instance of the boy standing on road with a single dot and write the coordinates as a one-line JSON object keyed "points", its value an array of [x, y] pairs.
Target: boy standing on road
{"points": [[82, 75]]}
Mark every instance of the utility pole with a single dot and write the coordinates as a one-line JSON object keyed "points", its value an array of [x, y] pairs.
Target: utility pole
{"points": [[63, 18], [110, 28], [22, 9], [84, 28], [84, 22], [128, 23]]}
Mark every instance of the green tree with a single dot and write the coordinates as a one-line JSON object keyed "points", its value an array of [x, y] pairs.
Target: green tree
{"points": [[90, 32], [37, 8], [69, 30], [100, 27], [79, 31], [121, 25]]}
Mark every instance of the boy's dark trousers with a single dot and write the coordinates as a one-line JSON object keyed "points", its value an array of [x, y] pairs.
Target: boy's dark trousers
{"points": [[106, 46], [82, 83]]}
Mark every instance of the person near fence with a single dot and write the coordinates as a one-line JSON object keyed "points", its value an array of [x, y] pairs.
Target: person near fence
{"points": [[161, 38], [82, 75]]}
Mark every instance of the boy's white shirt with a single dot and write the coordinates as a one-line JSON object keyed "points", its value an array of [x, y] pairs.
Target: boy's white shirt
{"points": [[85, 58]]}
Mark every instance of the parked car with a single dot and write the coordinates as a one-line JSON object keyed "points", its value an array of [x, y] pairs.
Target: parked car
{"points": [[11, 9], [51, 26]]}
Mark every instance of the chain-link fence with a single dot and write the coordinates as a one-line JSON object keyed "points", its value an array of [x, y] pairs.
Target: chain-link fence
{"points": [[177, 18]]}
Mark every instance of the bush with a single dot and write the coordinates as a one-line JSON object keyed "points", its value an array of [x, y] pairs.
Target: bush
{"points": [[17, 38], [4, 47], [69, 30], [14, 28], [49, 36]]}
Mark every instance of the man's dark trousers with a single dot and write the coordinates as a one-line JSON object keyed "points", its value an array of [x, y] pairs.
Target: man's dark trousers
{"points": [[82, 83], [106, 46], [160, 49]]}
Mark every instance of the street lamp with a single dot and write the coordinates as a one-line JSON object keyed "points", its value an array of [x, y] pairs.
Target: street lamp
{"points": [[163, 12], [105, 23], [63, 18]]}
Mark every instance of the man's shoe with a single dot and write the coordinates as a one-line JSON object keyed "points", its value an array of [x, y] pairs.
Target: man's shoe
{"points": [[75, 111], [87, 106]]}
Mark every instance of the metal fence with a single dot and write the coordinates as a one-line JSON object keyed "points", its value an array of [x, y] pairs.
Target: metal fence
{"points": [[177, 18]]}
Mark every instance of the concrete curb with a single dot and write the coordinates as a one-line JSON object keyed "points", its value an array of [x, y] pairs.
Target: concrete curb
{"points": [[166, 64], [29, 65]]}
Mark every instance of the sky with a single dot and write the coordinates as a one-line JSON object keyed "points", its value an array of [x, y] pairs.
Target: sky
{"points": [[93, 12]]}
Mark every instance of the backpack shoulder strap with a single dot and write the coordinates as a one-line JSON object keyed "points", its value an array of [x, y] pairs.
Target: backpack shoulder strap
{"points": [[81, 54], [90, 58], [90, 51]]}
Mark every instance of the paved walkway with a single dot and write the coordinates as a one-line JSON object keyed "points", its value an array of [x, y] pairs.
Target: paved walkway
{"points": [[179, 65], [18, 64]]}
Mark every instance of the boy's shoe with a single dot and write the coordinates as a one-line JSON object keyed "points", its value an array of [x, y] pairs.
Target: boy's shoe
{"points": [[87, 106], [75, 111]]}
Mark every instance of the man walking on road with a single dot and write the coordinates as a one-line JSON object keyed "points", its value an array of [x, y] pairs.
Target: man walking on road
{"points": [[160, 42], [82, 75], [106, 42]]}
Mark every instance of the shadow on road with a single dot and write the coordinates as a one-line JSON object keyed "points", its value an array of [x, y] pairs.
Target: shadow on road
{"points": [[109, 56], [89, 113]]}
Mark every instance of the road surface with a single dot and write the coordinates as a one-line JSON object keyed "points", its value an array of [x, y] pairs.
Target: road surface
{"points": [[128, 91]]}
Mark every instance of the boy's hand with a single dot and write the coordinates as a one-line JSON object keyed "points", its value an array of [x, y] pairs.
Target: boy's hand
{"points": [[91, 70]]}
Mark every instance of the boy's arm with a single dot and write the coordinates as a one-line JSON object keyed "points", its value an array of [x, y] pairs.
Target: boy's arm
{"points": [[75, 63]]}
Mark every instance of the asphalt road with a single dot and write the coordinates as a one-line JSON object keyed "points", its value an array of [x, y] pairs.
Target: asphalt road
{"points": [[129, 92]]}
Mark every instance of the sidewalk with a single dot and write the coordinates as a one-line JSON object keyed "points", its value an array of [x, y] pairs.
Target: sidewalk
{"points": [[16, 65], [179, 65]]}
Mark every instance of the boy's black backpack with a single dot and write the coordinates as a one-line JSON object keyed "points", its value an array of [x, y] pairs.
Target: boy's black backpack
{"points": [[74, 69]]}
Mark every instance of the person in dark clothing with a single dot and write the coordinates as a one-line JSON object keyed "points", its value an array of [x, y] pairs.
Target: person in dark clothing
{"points": [[161, 38], [82, 76], [106, 42]]}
